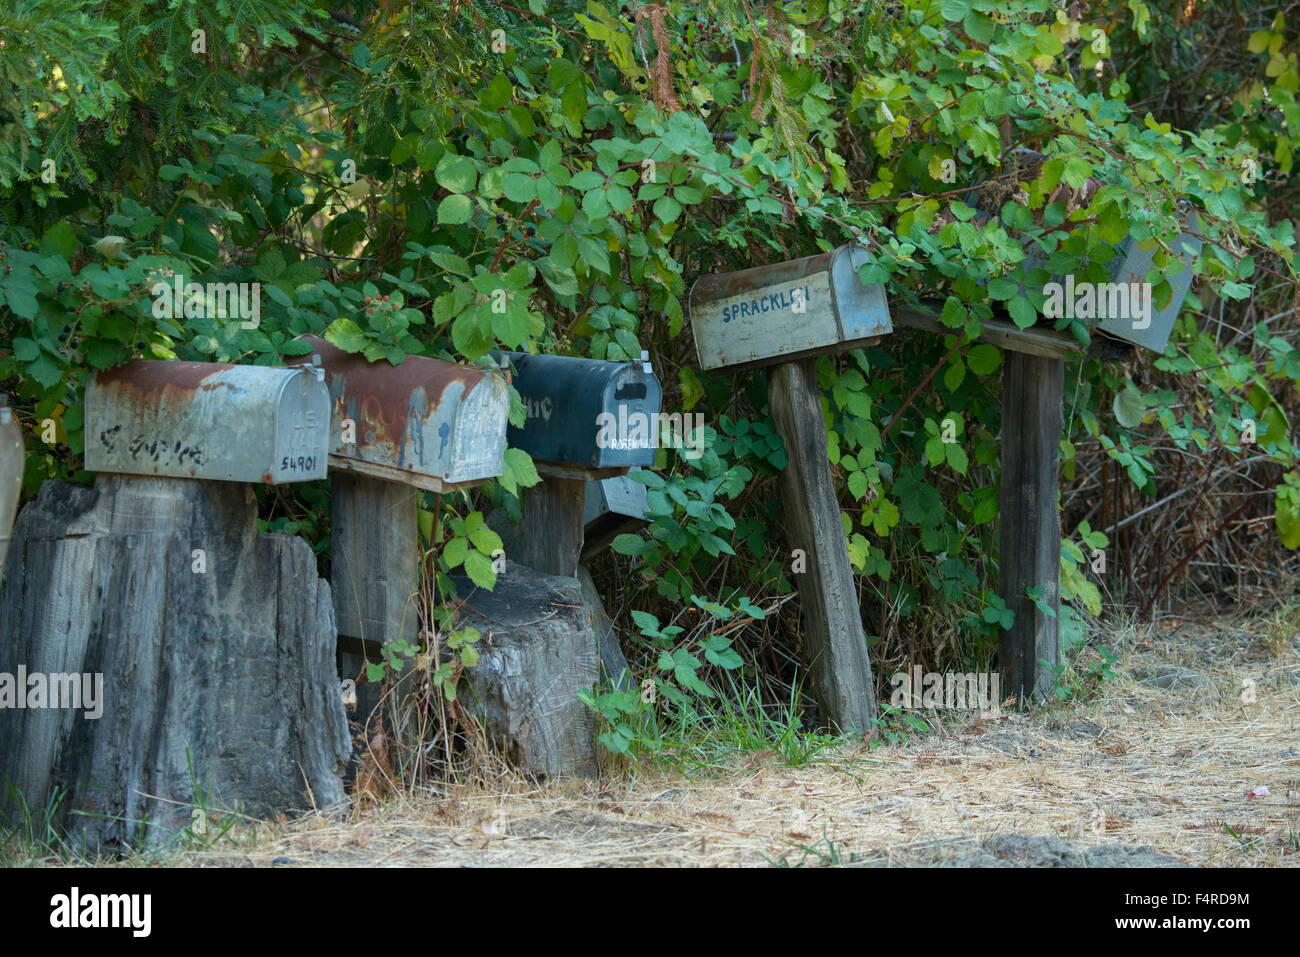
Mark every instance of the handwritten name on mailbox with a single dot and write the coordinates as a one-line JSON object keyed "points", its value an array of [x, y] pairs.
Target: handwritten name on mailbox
{"points": [[787, 311]]}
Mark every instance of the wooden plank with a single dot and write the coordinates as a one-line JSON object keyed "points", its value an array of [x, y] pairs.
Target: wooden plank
{"points": [[837, 646], [1030, 522], [1048, 343], [376, 550], [565, 471], [389, 473], [549, 535]]}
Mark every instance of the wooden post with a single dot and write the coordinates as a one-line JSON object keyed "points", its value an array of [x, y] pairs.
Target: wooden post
{"points": [[837, 645], [375, 572], [549, 536], [1030, 530]]}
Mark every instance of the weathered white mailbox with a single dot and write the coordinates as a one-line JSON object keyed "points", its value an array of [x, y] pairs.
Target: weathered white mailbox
{"points": [[207, 420], [12, 460], [786, 311], [428, 423]]}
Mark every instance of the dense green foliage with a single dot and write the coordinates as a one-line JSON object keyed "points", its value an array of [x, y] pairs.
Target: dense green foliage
{"points": [[386, 171]]}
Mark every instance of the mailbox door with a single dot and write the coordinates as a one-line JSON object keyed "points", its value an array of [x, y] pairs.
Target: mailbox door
{"points": [[763, 313], [302, 421], [575, 406], [627, 432], [1131, 265]]}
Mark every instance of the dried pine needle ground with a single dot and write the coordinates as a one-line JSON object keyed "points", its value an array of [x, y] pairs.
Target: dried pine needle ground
{"points": [[1162, 756]]}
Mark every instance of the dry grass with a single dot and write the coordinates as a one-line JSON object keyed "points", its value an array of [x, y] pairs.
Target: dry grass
{"points": [[1135, 764]]}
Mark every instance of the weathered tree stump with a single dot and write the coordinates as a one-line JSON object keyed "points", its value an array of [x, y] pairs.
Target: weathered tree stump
{"points": [[538, 651], [216, 650]]}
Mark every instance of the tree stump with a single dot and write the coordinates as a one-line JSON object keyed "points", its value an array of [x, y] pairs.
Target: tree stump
{"points": [[537, 652], [216, 649]]}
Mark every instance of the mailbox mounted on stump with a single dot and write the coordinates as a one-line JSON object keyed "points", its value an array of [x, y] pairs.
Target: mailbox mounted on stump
{"points": [[586, 415], [428, 423], [208, 420], [787, 311]]}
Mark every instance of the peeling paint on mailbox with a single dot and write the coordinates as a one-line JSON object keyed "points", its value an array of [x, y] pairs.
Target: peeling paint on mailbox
{"points": [[208, 420], [426, 422], [787, 311]]}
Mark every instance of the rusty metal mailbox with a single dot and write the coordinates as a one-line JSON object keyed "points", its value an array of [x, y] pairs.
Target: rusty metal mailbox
{"points": [[588, 414], [207, 420], [12, 460], [613, 506], [428, 423], [787, 311]]}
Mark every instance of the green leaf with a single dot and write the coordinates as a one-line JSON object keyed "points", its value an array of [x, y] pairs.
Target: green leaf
{"points": [[628, 544], [984, 359], [1077, 170], [480, 571], [1128, 407], [455, 552], [457, 174], [346, 334], [455, 210]]}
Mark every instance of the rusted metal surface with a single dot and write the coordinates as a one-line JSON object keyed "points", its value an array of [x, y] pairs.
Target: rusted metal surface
{"points": [[12, 460], [786, 311], [207, 420], [426, 422]]}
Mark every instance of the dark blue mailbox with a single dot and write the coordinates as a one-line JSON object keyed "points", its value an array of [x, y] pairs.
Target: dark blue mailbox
{"points": [[586, 413]]}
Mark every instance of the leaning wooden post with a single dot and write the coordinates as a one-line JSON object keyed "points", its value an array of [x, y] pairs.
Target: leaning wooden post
{"points": [[785, 315], [837, 645], [1030, 531]]}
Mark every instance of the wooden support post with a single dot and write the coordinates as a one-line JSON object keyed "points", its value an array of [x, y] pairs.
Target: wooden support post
{"points": [[549, 536], [837, 644], [375, 573], [376, 550], [1030, 532]]}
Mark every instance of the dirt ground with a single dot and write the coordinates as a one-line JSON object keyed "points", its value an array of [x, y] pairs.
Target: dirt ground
{"points": [[1165, 756]]}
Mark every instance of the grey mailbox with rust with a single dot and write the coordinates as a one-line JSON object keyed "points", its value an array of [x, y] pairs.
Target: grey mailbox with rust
{"points": [[587, 414], [428, 423], [12, 460], [787, 311], [613, 506], [208, 420]]}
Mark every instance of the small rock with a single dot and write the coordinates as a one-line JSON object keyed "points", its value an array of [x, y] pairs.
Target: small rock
{"points": [[1124, 855]]}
